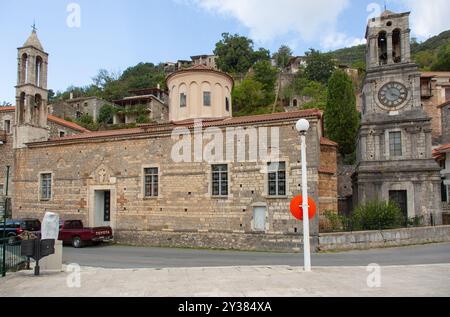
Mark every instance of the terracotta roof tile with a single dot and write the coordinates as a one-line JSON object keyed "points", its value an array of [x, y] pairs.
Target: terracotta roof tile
{"points": [[199, 68], [57, 120], [156, 128], [434, 74], [441, 149], [67, 124], [326, 141], [7, 109], [444, 104]]}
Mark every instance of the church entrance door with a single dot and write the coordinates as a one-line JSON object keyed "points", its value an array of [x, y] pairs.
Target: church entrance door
{"points": [[102, 208]]}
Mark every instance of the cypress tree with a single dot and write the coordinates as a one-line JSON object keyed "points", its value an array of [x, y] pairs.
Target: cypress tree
{"points": [[341, 116]]}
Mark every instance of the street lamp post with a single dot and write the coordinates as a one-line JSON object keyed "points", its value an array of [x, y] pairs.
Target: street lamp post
{"points": [[302, 127]]}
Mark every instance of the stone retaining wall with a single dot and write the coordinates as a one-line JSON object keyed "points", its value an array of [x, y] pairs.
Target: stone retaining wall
{"points": [[285, 243], [386, 238], [213, 240]]}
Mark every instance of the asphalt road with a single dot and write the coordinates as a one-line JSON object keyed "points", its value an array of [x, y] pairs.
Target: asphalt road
{"points": [[135, 257]]}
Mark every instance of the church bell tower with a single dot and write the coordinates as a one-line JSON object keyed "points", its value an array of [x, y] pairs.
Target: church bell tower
{"points": [[31, 93], [394, 155]]}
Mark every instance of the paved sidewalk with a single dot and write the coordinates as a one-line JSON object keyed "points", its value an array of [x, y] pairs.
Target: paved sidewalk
{"points": [[421, 280]]}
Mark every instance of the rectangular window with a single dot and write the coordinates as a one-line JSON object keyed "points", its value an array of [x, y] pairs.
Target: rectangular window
{"points": [[46, 186], [207, 98], [151, 182], [447, 94], [62, 134], [1, 190], [183, 100], [220, 180], [444, 192], [227, 104], [395, 143], [8, 126], [277, 179]]}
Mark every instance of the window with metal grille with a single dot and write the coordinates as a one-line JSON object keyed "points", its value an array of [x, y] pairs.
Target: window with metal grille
{"points": [[46, 186], [151, 186], [277, 179], [395, 143], [220, 180], [183, 100], [207, 98]]}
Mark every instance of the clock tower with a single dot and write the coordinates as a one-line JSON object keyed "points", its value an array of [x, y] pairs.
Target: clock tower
{"points": [[394, 155]]}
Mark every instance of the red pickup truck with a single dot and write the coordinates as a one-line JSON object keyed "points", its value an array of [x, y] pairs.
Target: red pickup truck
{"points": [[73, 232]]}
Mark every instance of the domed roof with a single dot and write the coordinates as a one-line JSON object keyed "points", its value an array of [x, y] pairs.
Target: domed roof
{"points": [[33, 41]]}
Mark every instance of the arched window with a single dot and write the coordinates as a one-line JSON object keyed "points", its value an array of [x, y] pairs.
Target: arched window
{"points": [[37, 101], [295, 103], [396, 46], [22, 107], [24, 68], [382, 48], [38, 71]]}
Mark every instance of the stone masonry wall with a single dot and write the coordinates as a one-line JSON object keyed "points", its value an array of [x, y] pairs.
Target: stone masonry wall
{"points": [[184, 203], [6, 151], [386, 238]]}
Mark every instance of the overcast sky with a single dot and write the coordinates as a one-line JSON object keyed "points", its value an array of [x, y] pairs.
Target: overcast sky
{"points": [[116, 34]]}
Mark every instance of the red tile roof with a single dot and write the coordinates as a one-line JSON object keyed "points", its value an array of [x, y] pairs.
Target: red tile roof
{"points": [[161, 128], [325, 141], [434, 74], [67, 124], [199, 68], [7, 109], [442, 149], [444, 104], [54, 119]]}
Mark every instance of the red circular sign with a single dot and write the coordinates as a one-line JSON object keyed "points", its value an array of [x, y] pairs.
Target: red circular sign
{"points": [[297, 210]]}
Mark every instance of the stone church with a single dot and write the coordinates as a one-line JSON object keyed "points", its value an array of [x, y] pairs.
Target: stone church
{"points": [[395, 139], [153, 191]]}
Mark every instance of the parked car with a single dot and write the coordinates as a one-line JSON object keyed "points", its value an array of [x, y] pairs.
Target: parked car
{"points": [[15, 228], [73, 232]]}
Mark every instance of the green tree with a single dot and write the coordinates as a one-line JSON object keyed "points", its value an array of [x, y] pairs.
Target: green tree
{"points": [[235, 54], [266, 74], [443, 59], [283, 56], [314, 92], [106, 114], [425, 59], [261, 55], [87, 122], [248, 96], [320, 66], [341, 116], [5, 104]]}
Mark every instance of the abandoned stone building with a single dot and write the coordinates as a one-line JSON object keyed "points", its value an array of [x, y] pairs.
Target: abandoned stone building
{"points": [[394, 153], [135, 181], [143, 105], [75, 108]]}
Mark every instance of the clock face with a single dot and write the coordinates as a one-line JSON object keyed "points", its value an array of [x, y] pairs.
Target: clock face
{"points": [[393, 94]]}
